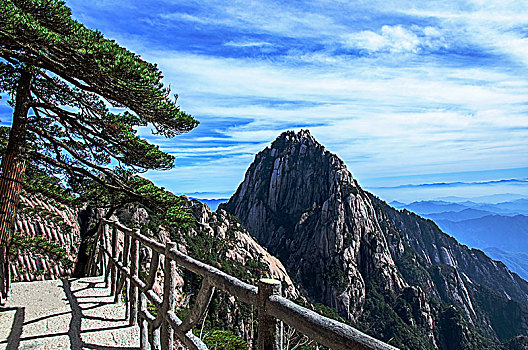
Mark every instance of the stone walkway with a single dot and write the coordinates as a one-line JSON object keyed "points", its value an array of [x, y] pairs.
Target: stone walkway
{"points": [[65, 314]]}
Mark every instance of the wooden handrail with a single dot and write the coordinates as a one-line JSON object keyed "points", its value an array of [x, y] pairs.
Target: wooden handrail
{"points": [[121, 270], [324, 330]]}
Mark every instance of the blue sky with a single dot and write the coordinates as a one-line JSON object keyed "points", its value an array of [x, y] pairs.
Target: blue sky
{"points": [[405, 92]]}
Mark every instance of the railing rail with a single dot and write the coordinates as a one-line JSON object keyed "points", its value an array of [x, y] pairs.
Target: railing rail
{"points": [[157, 332]]}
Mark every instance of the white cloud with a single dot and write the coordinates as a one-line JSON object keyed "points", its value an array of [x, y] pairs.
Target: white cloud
{"points": [[247, 44], [428, 118], [281, 18], [492, 25], [438, 85], [396, 39]]}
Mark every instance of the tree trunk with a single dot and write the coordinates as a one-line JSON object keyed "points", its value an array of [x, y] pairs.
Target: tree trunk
{"points": [[14, 162]]}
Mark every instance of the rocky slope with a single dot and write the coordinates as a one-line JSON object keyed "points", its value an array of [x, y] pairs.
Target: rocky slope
{"points": [[220, 240], [392, 273], [239, 247], [46, 239]]}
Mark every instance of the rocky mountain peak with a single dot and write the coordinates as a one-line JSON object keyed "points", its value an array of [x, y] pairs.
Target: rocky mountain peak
{"points": [[298, 200], [284, 175], [291, 138], [392, 273], [302, 145]]}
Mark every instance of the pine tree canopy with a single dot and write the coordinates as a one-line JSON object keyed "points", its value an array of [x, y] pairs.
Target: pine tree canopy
{"points": [[78, 79]]}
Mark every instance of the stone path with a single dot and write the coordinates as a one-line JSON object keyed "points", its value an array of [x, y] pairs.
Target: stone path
{"points": [[65, 314]]}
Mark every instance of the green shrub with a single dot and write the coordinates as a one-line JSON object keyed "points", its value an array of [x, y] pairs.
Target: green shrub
{"points": [[223, 340]]}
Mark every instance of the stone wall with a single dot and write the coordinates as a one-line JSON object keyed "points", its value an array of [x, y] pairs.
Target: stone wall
{"points": [[52, 222]]}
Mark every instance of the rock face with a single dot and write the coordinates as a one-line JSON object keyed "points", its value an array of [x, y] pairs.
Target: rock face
{"points": [[392, 273], [40, 222], [220, 240], [242, 247], [492, 298], [317, 221]]}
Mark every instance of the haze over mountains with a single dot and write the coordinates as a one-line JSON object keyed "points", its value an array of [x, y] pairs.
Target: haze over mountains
{"points": [[508, 208], [500, 229], [390, 272]]}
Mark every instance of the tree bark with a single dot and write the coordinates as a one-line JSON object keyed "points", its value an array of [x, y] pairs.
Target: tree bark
{"points": [[14, 162]]}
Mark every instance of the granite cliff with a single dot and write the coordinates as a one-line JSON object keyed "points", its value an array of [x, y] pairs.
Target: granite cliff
{"points": [[391, 273]]}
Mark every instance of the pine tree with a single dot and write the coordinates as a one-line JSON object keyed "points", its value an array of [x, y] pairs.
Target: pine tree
{"points": [[66, 83]]}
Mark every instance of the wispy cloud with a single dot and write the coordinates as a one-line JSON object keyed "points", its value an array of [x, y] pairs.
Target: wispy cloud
{"points": [[247, 44], [397, 39], [453, 109], [456, 184], [394, 87]]}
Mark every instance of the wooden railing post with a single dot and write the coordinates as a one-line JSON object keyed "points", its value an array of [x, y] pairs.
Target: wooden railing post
{"points": [[169, 300], [101, 256], [269, 337], [118, 277], [113, 270], [108, 261], [7, 273], [98, 267], [134, 268], [143, 323], [154, 338], [153, 332], [122, 279]]}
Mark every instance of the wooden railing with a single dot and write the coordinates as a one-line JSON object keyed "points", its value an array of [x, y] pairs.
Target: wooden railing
{"points": [[120, 265]]}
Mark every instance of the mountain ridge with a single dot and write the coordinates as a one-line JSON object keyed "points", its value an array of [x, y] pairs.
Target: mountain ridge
{"points": [[483, 229], [352, 251], [425, 207]]}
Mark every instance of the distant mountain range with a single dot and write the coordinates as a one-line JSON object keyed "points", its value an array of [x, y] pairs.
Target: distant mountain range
{"points": [[457, 216], [500, 229], [494, 198], [212, 203], [509, 208]]}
